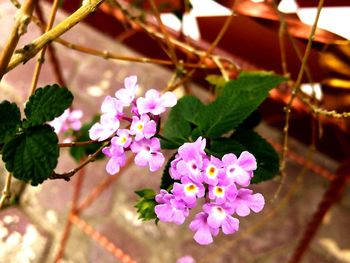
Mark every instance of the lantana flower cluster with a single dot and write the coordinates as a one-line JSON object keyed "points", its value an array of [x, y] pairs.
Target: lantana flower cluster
{"points": [[221, 183], [70, 119], [139, 136]]}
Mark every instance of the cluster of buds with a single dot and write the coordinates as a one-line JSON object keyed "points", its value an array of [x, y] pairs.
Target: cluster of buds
{"points": [[142, 118], [220, 183]]}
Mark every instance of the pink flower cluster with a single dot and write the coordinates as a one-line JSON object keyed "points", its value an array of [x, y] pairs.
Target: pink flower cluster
{"points": [[70, 119], [221, 183], [143, 115]]}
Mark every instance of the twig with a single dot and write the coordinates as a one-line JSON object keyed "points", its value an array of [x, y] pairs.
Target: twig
{"points": [[41, 56], [6, 192], [165, 33], [207, 53], [324, 112], [154, 32], [73, 144], [295, 90], [31, 49], [68, 175], [22, 20], [51, 50]]}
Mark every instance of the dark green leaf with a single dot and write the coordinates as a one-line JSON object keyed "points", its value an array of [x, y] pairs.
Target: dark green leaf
{"points": [[145, 205], [46, 104], [220, 147], [81, 152], [252, 121], [180, 122], [237, 101], [248, 140], [167, 181], [32, 155], [10, 118]]}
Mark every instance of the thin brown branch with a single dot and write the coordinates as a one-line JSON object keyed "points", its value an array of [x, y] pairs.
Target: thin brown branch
{"points": [[41, 56], [51, 49], [170, 46], [324, 112], [73, 144], [22, 20], [295, 90], [31, 49], [89, 159]]}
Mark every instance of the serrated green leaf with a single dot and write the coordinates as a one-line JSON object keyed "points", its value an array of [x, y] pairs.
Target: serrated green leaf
{"points": [[146, 193], [145, 205], [10, 119], [32, 155], [181, 122], [248, 140], [237, 101], [81, 152], [46, 104]]}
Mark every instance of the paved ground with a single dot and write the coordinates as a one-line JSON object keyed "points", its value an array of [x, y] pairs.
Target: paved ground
{"points": [[32, 231]]}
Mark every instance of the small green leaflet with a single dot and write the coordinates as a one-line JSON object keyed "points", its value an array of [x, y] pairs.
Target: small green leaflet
{"points": [[145, 205], [46, 104]]}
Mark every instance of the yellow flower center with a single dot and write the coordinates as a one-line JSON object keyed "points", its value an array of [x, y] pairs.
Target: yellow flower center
{"points": [[122, 139], [212, 171], [191, 189], [219, 191], [139, 126]]}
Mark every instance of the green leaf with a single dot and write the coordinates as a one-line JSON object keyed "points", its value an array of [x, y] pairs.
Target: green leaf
{"points": [[167, 181], [81, 152], [32, 155], [236, 102], [248, 140], [251, 121], [218, 82], [46, 104], [10, 119], [145, 205], [181, 121]]}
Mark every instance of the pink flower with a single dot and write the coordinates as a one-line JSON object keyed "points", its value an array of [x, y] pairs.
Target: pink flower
{"points": [[212, 170], [109, 122], [188, 191], [222, 193], [102, 130], [68, 119], [220, 216], [186, 259], [189, 161], [169, 209], [148, 153], [246, 201], [117, 158], [122, 139], [127, 95], [155, 103], [239, 170], [203, 232], [143, 127]]}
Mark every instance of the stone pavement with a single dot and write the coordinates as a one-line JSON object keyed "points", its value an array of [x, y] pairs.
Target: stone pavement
{"points": [[32, 231]]}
